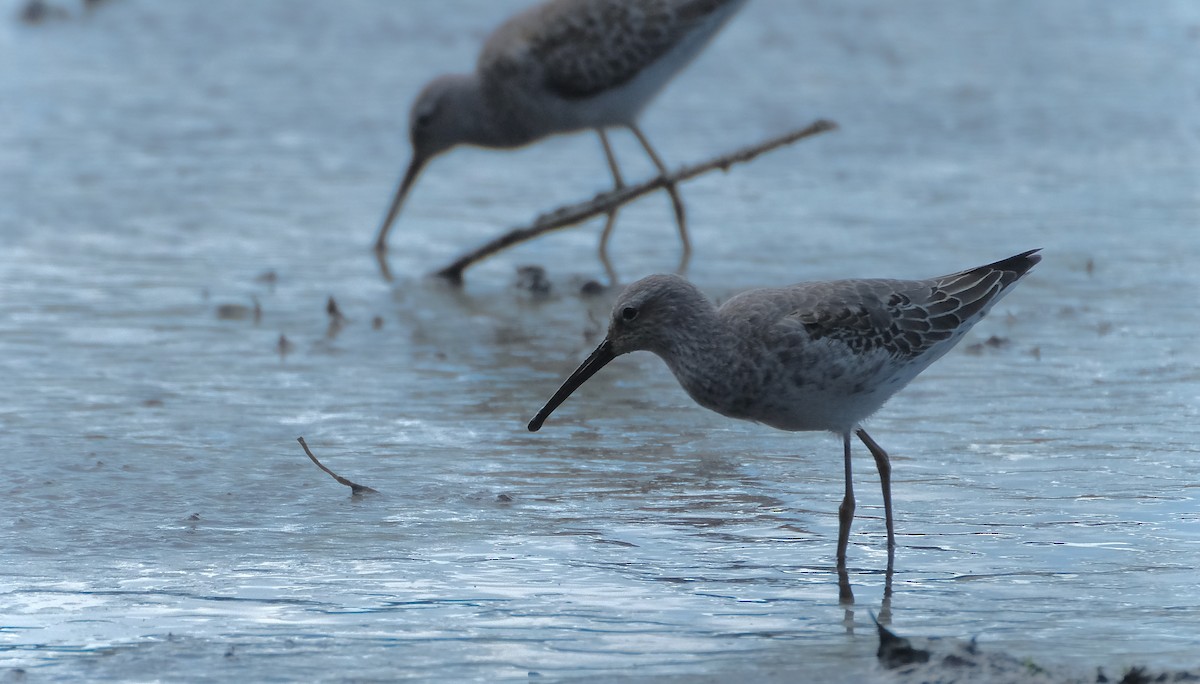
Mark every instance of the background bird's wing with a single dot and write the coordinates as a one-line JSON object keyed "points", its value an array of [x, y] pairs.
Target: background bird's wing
{"points": [[585, 47]]}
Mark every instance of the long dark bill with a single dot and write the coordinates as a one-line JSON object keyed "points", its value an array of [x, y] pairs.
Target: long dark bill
{"points": [[599, 359], [414, 170]]}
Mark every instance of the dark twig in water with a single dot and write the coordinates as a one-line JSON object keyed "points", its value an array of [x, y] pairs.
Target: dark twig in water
{"points": [[284, 346], [335, 313], [336, 319], [355, 488], [608, 201]]}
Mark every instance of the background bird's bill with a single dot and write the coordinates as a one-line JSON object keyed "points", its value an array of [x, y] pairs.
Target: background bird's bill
{"points": [[414, 169], [599, 359]]}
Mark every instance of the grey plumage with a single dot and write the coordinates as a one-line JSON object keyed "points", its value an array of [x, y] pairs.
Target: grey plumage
{"points": [[584, 47], [558, 67], [811, 356]]}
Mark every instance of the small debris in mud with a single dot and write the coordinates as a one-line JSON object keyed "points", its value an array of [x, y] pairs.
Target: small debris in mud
{"points": [[34, 11], [37, 11], [268, 277], [331, 308], [591, 288], [1104, 328], [355, 488], [284, 346], [993, 342], [896, 651], [948, 661], [532, 279], [1141, 675], [336, 319], [1090, 266], [239, 312], [377, 323], [1036, 353]]}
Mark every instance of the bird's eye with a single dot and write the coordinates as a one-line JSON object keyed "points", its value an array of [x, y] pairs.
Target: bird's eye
{"points": [[424, 113], [629, 313]]}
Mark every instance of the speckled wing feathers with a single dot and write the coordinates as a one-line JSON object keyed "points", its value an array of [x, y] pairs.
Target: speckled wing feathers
{"points": [[906, 318], [588, 46]]}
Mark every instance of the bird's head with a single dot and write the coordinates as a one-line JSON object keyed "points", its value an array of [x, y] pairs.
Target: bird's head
{"points": [[650, 313], [440, 119], [440, 116]]}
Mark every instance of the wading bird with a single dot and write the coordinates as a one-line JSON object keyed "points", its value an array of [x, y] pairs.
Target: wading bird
{"points": [[812, 356], [558, 67]]}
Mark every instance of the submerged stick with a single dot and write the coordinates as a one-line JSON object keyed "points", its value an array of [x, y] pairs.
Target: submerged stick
{"points": [[355, 488], [607, 201]]}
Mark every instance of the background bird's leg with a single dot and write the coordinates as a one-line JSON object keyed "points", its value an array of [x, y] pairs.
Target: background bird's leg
{"points": [[676, 201], [884, 464], [618, 183], [846, 510]]}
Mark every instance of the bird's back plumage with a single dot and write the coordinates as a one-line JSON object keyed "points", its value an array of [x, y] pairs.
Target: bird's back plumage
{"points": [[564, 51], [826, 355], [904, 318]]}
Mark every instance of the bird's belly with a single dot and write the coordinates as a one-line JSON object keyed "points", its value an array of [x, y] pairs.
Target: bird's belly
{"points": [[619, 106], [787, 402], [622, 105], [820, 411]]}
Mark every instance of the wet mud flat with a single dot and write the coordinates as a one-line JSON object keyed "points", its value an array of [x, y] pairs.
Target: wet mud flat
{"points": [[188, 195]]}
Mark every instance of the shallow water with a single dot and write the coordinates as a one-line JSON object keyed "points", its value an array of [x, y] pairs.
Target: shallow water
{"points": [[158, 519]]}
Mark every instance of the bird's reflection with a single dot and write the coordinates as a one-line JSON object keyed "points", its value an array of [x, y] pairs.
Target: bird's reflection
{"points": [[846, 599]]}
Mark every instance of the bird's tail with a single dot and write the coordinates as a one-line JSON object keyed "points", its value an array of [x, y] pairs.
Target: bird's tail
{"points": [[973, 291]]}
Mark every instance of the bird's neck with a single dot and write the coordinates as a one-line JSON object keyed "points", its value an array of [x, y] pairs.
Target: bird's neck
{"points": [[712, 363], [477, 121], [700, 342]]}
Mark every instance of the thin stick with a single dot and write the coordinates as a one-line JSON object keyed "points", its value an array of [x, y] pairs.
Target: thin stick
{"points": [[355, 488], [608, 201]]}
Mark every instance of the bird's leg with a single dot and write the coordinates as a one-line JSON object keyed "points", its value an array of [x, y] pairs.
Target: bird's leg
{"points": [[845, 593], [884, 464], [618, 183], [846, 510], [676, 201]]}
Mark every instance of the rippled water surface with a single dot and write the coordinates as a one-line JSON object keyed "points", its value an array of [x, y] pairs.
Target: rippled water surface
{"points": [[165, 164]]}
